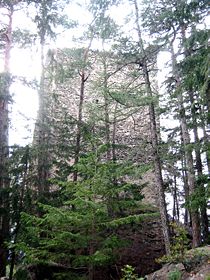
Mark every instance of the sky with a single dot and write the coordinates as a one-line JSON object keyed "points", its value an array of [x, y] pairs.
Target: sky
{"points": [[26, 63]]}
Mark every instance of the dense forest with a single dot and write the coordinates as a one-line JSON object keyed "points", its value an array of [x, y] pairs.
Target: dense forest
{"points": [[116, 179]]}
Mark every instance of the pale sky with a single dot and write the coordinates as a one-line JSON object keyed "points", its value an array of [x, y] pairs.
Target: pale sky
{"points": [[25, 62]]}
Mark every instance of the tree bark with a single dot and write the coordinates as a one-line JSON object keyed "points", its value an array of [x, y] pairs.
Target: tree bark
{"points": [[175, 201], [79, 122], [207, 144], [199, 167], [43, 133], [114, 156], [154, 139], [5, 80], [106, 111], [84, 78], [188, 154], [186, 186]]}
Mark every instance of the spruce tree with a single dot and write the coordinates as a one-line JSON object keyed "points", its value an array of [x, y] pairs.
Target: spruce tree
{"points": [[5, 98], [170, 21]]}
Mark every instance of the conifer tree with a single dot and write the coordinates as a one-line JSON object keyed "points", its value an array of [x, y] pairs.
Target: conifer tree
{"points": [[49, 15], [170, 21], [196, 51], [7, 9], [83, 220]]}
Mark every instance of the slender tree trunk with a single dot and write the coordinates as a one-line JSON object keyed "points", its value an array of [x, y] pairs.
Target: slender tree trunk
{"points": [[207, 144], [5, 80], [84, 78], [109, 150], [175, 201], [154, 138], [188, 154], [106, 111], [208, 91], [114, 156], [199, 167], [79, 122], [186, 187], [43, 133]]}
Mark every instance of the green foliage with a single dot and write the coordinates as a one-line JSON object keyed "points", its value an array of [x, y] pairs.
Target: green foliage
{"points": [[179, 245], [20, 191], [21, 274], [174, 275], [48, 16], [99, 7], [23, 38], [200, 196], [129, 273], [92, 210], [196, 257], [5, 82]]}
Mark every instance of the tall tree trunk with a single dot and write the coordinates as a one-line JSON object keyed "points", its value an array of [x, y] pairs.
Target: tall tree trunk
{"points": [[154, 139], [106, 111], [207, 144], [208, 90], [109, 150], [79, 121], [188, 154], [198, 161], [186, 186], [83, 80], [5, 80], [43, 132], [114, 156], [175, 201], [199, 167]]}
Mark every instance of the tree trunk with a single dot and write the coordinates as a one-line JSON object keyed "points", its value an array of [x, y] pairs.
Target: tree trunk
{"points": [[188, 154], [4, 142], [208, 91], [199, 167], [84, 78], [154, 139], [106, 111], [43, 133], [186, 187], [114, 156], [207, 144], [79, 122], [175, 201]]}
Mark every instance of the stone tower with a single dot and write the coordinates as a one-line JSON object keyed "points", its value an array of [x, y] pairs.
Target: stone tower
{"points": [[110, 89], [114, 107]]}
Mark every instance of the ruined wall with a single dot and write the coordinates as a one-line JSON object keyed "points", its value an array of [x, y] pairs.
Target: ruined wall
{"points": [[128, 114], [145, 245], [130, 127]]}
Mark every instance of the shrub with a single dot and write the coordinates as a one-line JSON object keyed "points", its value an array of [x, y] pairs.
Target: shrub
{"points": [[179, 246], [128, 273], [174, 275]]}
